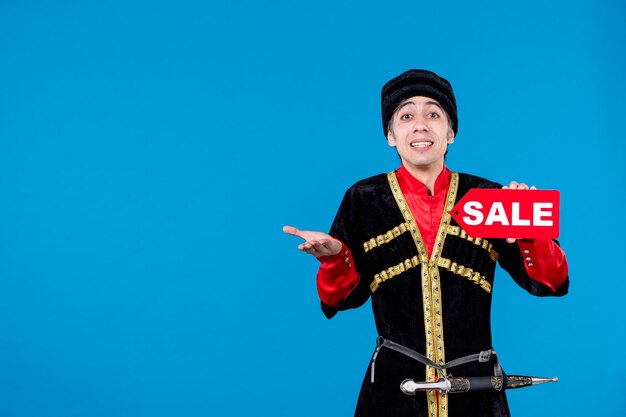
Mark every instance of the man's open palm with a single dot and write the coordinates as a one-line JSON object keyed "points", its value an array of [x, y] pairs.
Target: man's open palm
{"points": [[315, 243]]}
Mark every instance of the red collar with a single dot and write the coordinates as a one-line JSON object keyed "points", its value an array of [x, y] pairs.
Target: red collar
{"points": [[414, 186]]}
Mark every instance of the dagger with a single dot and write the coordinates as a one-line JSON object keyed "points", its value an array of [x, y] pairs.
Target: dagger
{"points": [[477, 383]]}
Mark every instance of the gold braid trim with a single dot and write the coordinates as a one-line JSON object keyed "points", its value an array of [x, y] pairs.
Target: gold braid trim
{"points": [[442, 404], [393, 271], [431, 293], [468, 273], [478, 241], [385, 237]]}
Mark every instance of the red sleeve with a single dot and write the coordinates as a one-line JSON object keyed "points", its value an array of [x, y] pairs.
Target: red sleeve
{"points": [[544, 261], [336, 277]]}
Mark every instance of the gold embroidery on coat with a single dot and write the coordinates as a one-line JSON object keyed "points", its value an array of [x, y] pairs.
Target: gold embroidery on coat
{"points": [[393, 271], [385, 237], [478, 241], [468, 273]]}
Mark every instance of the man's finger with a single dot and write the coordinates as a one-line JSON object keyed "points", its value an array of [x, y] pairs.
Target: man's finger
{"points": [[514, 185], [309, 244], [324, 243], [310, 251], [294, 231], [314, 248]]}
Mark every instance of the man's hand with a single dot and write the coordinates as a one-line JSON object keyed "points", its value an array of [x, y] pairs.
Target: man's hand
{"points": [[315, 243], [514, 185]]}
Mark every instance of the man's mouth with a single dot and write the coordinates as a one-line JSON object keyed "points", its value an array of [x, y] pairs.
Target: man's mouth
{"points": [[421, 144]]}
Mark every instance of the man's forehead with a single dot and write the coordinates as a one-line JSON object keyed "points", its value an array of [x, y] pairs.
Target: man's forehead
{"points": [[419, 99]]}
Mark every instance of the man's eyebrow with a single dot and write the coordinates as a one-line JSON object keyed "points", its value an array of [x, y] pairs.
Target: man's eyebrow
{"points": [[407, 102], [434, 103], [404, 104]]}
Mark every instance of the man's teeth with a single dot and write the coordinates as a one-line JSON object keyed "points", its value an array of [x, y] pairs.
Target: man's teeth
{"points": [[421, 144]]}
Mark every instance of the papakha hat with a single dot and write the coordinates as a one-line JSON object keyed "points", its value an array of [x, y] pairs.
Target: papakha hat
{"points": [[416, 82]]}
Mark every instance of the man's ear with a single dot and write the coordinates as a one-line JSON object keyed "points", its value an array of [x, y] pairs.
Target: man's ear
{"points": [[450, 137], [390, 139]]}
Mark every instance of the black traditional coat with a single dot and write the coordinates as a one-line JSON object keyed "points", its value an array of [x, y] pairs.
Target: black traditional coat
{"points": [[438, 306]]}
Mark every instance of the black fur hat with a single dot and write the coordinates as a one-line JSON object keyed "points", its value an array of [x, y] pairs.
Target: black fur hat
{"points": [[418, 83]]}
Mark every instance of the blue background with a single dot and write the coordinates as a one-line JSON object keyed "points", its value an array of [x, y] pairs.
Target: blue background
{"points": [[150, 153]]}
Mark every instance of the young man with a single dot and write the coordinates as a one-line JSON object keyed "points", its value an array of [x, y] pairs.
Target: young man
{"points": [[394, 240]]}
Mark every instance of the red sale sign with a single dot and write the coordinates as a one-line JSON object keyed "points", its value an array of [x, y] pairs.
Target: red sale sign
{"points": [[509, 213]]}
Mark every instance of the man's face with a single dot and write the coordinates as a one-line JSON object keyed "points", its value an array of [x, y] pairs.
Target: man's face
{"points": [[421, 133]]}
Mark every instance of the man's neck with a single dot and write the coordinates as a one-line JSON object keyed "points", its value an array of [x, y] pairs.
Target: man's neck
{"points": [[426, 175]]}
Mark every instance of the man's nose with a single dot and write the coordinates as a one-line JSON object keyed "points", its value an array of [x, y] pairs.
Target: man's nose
{"points": [[420, 124]]}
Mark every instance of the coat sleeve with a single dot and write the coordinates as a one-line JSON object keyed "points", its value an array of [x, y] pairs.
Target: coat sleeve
{"points": [[346, 227], [337, 277], [544, 261], [547, 281]]}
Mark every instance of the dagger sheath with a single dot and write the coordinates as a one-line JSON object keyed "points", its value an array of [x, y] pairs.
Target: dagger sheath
{"points": [[454, 385]]}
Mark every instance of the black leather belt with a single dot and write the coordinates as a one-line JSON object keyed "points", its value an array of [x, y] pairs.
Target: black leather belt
{"points": [[483, 356]]}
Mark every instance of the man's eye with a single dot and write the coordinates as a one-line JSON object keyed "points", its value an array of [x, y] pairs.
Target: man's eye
{"points": [[405, 117], [433, 115]]}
